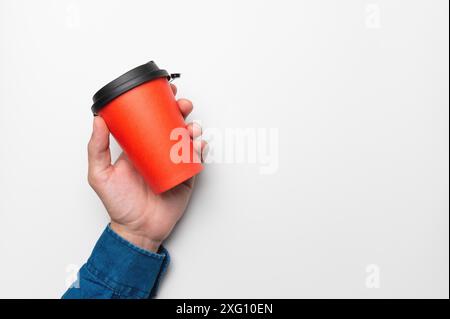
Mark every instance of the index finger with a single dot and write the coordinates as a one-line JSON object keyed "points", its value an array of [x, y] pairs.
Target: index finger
{"points": [[174, 88]]}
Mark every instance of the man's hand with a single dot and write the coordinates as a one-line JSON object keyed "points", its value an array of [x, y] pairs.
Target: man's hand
{"points": [[137, 214]]}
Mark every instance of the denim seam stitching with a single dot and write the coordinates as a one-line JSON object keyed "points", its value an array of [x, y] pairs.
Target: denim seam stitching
{"points": [[96, 273]]}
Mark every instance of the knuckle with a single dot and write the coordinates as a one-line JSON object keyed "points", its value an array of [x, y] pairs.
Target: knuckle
{"points": [[96, 178], [92, 179]]}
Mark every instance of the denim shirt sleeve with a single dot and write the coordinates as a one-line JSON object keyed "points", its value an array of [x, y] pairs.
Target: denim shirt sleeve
{"points": [[119, 269]]}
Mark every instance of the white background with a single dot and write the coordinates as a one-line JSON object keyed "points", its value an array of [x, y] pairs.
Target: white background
{"points": [[357, 89]]}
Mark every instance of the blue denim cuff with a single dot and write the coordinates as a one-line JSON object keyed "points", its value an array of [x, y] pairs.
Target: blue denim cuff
{"points": [[130, 271]]}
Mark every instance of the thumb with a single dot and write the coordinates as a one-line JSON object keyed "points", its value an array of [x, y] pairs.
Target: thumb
{"points": [[99, 155]]}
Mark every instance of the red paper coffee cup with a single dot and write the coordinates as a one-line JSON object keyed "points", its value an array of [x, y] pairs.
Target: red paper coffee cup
{"points": [[142, 114]]}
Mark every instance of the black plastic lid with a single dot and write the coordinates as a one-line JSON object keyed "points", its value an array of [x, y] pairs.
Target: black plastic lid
{"points": [[126, 82]]}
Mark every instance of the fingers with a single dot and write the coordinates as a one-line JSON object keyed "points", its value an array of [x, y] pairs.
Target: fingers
{"points": [[174, 88], [200, 146], [190, 182], [203, 147], [99, 156], [195, 130], [185, 107]]}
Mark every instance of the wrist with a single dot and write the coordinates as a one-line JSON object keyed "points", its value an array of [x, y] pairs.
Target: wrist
{"points": [[136, 238]]}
